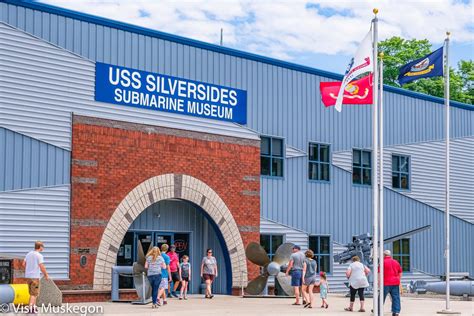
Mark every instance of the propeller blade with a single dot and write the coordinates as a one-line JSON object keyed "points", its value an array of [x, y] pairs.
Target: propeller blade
{"points": [[256, 254], [285, 283], [257, 285], [138, 280], [140, 254], [283, 254]]}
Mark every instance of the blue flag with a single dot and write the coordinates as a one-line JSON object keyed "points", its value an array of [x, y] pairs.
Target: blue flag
{"points": [[429, 66]]}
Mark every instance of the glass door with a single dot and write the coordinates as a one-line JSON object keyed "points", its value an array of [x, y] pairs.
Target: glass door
{"points": [[147, 240], [163, 238]]}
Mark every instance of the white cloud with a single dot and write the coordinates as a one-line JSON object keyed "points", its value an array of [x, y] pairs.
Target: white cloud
{"points": [[286, 29]]}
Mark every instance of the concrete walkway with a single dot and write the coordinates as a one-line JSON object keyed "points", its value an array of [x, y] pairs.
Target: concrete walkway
{"points": [[231, 305]]}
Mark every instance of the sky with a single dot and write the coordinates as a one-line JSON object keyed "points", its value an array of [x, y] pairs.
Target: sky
{"points": [[322, 34]]}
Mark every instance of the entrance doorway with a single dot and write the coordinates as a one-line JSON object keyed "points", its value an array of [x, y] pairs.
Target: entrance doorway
{"points": [[183, 224], [128, 251]]}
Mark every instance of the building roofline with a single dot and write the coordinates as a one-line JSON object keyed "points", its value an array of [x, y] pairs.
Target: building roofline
{"points": [[215, 48]]}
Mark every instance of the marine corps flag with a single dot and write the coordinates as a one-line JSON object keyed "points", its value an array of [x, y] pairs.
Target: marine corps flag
{"points": [[428, 66], [356, 92]]}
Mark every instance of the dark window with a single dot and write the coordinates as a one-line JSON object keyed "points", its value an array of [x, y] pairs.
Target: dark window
{"points": [[322, 252], [400, 172], [361, 167], [318, 168], [271, 243], [271, 156], [401, 253]]}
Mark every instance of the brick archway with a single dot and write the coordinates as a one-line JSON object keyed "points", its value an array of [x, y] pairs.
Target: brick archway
{"points": [[163, 187]]}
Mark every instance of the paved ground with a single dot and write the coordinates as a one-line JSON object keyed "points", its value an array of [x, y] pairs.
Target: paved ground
{"points": [[231, 305]]}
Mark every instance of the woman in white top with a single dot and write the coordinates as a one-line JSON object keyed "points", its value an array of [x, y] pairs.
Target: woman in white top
{"points": [[357, 275]]}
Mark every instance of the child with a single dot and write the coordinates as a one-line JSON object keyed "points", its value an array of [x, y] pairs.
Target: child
{"points": [[323, 289], [184, 276]]}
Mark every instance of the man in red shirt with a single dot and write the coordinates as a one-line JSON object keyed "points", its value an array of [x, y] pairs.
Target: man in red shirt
{"points": [[174, 263], [392, 275]]}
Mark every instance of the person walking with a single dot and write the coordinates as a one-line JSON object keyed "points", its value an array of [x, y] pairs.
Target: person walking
{"points": [[357, 275], [165, 275], [209, 272], [184, 275], [309, 273], [174, 266], [34, 266], [323, 289], [154, 264], [296, 267], [392, 275]]}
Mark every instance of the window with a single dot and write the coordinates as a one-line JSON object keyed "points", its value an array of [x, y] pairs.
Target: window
{"points": [[400, 172], [271, 243], [401, 253], [318, 162], [322, 252], [362, 167], [271, 156]]}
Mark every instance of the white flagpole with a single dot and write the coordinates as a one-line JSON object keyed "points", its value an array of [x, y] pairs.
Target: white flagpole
{"points": [[447, 256], [446, 103], [381, 184], [375, 169]]}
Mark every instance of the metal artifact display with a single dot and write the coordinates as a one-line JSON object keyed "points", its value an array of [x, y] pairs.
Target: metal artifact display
{"points": [[270, 268], [361, 246]]}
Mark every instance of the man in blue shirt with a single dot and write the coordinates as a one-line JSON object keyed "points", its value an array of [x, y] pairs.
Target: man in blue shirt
{"points": [[165, 274]]}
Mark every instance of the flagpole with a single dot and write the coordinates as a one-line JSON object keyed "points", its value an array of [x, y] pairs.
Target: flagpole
{"points": [[447, 256], [375, 168], [381, 184], [446, 102]]}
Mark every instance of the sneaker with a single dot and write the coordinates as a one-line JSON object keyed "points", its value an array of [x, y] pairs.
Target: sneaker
{"points": [[165, 302], [180, 298], [174, 294]]}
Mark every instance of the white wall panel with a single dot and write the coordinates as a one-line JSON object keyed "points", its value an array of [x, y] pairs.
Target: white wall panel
{"points": [[292, 235], [37, 214]]}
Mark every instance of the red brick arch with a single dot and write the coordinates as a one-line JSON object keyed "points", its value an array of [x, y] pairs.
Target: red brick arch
{"points": [[160, 188]]}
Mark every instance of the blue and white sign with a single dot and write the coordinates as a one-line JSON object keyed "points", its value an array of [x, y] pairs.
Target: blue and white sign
{"points": [[146, 90]]}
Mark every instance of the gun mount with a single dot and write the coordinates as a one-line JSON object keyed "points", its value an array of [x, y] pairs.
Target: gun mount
{"points": [[362, 245]]}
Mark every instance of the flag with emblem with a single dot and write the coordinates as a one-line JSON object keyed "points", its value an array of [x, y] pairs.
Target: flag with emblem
{"points": [[360, 64], [428, 66], [356, 92]]}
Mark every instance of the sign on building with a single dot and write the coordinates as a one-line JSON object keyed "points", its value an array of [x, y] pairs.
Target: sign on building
{"points": [[146, 90]]}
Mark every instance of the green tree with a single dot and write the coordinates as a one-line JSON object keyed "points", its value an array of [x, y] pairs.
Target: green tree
{"points": [[398, 52]]}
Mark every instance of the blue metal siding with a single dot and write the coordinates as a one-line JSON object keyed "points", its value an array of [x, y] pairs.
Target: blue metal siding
{"points": [[268, 113], [120, 26], [28, 163], [427, 173], [402, 214], [181, 216]]}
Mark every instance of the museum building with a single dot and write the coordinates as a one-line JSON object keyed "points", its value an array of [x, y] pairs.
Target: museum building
{"points": [[112, 134]]}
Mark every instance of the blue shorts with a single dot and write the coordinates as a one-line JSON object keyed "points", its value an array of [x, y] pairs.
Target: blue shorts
{"points": [[296, 278]]}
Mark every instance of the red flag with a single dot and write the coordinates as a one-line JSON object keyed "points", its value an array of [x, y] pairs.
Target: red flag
{"points": [[356, 92]]}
